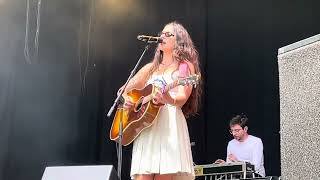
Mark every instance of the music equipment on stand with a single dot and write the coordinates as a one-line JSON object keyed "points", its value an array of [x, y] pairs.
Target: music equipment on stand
{"points": [[142, 115], [225, 171], [263, 178]]}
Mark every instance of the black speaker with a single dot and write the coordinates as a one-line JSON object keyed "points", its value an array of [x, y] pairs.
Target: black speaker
{"points": [[100, 172]]}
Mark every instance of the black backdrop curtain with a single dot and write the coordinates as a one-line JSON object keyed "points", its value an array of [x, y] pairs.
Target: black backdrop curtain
{"points": [[53, 107]]}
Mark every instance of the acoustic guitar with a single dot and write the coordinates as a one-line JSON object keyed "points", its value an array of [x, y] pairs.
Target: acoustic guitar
{"points": [[144, 111]]}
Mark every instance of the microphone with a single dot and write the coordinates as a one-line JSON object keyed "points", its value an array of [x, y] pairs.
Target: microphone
{"points": [[149, 39]]}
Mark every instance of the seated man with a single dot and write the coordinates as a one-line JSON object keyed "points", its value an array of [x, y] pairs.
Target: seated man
{"points": [[244, 147]]}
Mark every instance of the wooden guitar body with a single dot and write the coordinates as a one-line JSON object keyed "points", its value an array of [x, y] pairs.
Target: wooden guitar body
{"points": [[137, 119], [144, 111]]}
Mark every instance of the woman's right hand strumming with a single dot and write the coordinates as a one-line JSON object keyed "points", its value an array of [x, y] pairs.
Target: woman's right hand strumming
{"points": [[128, 104]]}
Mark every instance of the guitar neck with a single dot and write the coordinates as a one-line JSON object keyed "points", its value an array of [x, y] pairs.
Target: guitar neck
{"points": [[190, 80], [165, 89], [171, 86]]}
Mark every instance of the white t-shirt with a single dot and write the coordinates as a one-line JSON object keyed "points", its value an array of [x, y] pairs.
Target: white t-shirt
{"points": [[251, 150]]}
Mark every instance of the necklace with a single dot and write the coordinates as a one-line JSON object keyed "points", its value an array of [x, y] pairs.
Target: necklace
{"points": [[168, 65]]}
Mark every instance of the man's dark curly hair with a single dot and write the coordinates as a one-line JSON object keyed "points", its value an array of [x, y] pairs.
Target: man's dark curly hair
{"points": [[241, 120]]}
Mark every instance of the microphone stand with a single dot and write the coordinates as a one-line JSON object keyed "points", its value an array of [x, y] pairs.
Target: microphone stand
{"points": [[116, 102]]}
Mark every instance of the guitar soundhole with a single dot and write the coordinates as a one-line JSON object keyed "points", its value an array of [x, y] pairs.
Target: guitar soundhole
{"points": [[139, 105]]}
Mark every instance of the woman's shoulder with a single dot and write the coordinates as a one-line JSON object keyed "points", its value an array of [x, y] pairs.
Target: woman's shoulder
{"points": [[147, 66]]}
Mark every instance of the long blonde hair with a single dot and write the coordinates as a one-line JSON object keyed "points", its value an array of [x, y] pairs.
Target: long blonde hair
{"points": [[184, 50]]}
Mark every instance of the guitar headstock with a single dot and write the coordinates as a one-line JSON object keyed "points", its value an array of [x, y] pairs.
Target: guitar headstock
{"points": [[190, 80]]}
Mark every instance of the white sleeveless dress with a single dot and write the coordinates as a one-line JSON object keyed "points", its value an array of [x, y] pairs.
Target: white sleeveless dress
{"points": [[164, 148]]}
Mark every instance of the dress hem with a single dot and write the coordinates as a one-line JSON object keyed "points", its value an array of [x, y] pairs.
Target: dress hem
{"points": [[177, 175]]}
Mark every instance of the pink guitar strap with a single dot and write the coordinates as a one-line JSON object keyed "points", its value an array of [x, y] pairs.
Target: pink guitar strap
{"points": [[184, 70]]}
